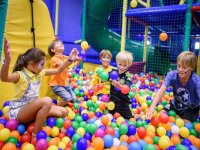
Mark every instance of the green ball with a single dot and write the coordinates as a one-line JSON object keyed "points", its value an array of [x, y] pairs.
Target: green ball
{"points": [[193, 132], [131, 94], [89, 103], [76, 137], [156, 139], [180, 147], [78, 119], [76, 106], [123, 129], [99, 70], [59, 122], [76, 92], [104, 76], [172, 113], [93, 128], [12, 140], [149, 147], [149, 103], [139, 124], [113, 125], [75, 124], [83, 124], [164, 103], [74, 146]]}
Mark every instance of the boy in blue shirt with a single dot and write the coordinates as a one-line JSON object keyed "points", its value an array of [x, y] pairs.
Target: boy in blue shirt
{"points": [[186, 89]]}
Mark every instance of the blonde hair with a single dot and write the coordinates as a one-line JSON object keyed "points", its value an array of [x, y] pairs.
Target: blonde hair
{"points": [[105, 52], [187, 59], [125, 57]]}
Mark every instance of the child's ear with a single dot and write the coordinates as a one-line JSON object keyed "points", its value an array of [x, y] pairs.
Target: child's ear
{"points": [[53, 50]]}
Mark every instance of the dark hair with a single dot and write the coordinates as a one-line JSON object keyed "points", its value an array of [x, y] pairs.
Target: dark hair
{"points": [[32, 54], [52, 45]]}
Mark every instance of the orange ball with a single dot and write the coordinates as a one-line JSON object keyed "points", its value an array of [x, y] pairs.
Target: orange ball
{"points": [[122, 147], [163, 36], [105, 120], [175, 139], [98, 143], [9, 146]]}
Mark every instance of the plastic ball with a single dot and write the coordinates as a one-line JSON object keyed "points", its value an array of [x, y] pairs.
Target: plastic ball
{"points": [[41, 144], [105, 98], [149, 147], [71, 115], [133, 3], [4, 134], [51, 122], [99, 133], [9, 146], [81, 144], [163, 36], [131, 130], [175, 129], [108, 141], [125, 89], [161, 131], [184, 132], [114, 75], [104, 76], [41, 135], [139, 37], [59, 122], [163, 118], [98, 143], [88, 136], [83, 54], [179, 122], [84, 45], [141, 132], [28, 146], [111, 105], [21, 129], [164, 142], [70, 131], [11, 124]]}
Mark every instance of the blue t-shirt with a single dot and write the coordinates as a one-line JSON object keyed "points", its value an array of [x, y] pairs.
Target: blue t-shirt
{"points": [[186, 96]]}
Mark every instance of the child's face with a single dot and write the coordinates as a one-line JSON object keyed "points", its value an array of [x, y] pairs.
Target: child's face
{"points": [[122, 67], [105, 60], [183, 72], [59, 47], [36, 68]]}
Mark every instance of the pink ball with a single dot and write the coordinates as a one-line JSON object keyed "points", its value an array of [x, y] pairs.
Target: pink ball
{"points": [[99, 133], [11, 124], [104, 98], [41, 144]]}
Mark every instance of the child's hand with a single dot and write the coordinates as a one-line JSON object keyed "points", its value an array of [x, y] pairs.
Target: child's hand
{"points": [[116, 84], [151, 111], [74, 55], [7, 51]]}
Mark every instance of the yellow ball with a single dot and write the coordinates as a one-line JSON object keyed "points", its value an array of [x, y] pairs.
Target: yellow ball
{"points": [[4, 134], [161, 131], [184, 132], [179, 122], [160, 107], [151, 128], [84, 105], [133, 3], [81, 131], [5, 110], [111, 106], [54, 131], [164, 142], [144, 105], [28, 146], [94, 99], [61, 145], [65, 140], [120, 120], [52, 147], [71, 115], [84, 45]]}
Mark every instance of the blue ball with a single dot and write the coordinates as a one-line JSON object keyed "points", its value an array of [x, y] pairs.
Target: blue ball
{"points": [[70, 132], [88, 136], [41, 135], [131, 130], [108, 140], [1, 113], [51, 122], [54, 101], [21, 129], [135, 146], [3, 121], [81, 144], [6, 103], [84, 116]]}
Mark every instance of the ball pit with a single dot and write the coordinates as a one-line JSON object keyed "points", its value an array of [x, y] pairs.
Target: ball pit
{"points": [[90, 126]]}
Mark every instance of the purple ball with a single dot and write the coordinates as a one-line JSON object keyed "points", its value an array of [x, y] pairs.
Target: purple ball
{"points": [[88, 136], [114, 75], [99, 133], [81, 144], [131, 130], [11, 124], [41, 144], [41, 135]]}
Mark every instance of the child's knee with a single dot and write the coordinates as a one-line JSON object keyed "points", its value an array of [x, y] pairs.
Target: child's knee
{"points": [[47, 101]]}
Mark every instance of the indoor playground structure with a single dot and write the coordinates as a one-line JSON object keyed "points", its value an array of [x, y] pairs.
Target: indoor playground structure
{"points": [[154, 31]]}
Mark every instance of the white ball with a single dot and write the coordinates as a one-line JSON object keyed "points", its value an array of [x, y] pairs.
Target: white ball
{"points": [[175, 129]]}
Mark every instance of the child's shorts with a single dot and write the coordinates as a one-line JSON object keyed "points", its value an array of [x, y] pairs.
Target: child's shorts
{"points": [[188, 114], [12, 114], [64, 92]]}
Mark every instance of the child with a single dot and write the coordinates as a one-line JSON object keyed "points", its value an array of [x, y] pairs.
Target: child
{"points": [[186, 89], [58, 82], [105, 58], [27, 74], [122, 101]]}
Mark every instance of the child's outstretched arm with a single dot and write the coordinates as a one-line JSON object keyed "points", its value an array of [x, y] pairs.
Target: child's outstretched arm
{"points": [[5, 76], [73, 56], [151, 110]]}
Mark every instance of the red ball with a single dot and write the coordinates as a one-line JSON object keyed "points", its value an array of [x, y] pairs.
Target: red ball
{"points": [[25, 138], [164, 118], [116, 115], [110, 130], [30, 128], [154, 121], [131, 139], [125, 89], [141, 132], [100, 86], [2, 143], [67, 123]]}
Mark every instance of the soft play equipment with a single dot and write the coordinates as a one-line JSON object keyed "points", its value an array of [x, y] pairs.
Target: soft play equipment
{"points": [[18, 26], [100, 36]]}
